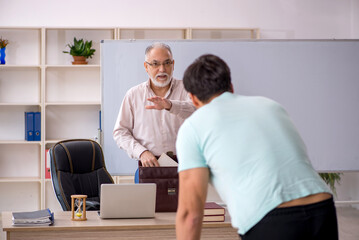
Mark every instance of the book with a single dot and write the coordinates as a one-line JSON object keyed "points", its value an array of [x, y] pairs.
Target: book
{"points": [[213, 218], [40, 217], [212, 208]]}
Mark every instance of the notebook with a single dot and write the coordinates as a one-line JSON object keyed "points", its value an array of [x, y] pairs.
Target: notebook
{"points": [[128, 200]]}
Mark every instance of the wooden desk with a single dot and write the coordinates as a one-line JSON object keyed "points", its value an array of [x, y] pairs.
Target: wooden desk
{"points": [[161, 227]]}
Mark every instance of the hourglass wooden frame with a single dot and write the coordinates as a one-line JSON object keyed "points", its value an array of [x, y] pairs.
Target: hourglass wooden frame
{"points": [[80, 198]]}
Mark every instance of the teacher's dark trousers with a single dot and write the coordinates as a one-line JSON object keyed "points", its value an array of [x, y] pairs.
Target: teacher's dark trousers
{"points": [[308, 222]]}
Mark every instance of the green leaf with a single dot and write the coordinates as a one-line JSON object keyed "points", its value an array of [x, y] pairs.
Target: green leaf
{"points": [[80, 48], [331, 179]]}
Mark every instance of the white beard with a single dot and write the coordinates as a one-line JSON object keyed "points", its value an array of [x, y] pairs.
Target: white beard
{"points": [[161, 84]]}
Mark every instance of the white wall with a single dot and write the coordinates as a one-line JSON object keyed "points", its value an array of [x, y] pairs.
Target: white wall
{"points": [[285, 19], [355, 19], [288, 19]]}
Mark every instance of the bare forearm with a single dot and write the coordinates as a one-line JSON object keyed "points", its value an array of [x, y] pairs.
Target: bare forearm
{"points": [[188, 227], [192, 197]]}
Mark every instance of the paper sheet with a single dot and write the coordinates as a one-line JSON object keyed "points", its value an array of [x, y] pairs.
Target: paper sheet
{"points": [[166, 161]]}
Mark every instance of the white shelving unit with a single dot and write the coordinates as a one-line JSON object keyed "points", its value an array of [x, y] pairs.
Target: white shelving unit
{"points": [[20, 91], [211, 33], [39, 77], [153, 33]]}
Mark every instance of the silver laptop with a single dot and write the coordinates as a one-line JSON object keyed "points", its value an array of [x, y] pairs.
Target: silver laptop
{"points": [[128, 200]]}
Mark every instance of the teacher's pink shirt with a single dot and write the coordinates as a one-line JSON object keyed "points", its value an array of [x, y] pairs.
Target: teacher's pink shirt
{"points": [[138, 129]]}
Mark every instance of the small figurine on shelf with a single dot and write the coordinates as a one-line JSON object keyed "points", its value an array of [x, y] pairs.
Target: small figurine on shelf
{"points": [[3, 44], [80, 50]]}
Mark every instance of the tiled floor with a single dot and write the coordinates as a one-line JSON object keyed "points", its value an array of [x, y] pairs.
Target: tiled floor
{"points": [[348, 221]]}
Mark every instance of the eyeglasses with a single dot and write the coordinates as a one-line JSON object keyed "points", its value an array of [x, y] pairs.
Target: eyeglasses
{"points": [[165, 64]]}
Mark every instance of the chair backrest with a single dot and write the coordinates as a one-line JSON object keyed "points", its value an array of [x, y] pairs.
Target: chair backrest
{"points": [[78, 167]]}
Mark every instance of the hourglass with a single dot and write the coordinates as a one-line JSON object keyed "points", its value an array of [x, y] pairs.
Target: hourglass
{"points": [[78, 201]]}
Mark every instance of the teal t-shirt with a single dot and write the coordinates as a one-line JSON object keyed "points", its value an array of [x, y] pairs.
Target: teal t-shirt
{"points": [[257, 159]]}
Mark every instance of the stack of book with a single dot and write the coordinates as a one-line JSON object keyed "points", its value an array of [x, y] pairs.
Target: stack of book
{"points": [[213, 212], [35, 218]]}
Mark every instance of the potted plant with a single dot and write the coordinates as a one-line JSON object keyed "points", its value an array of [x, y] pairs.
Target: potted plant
{"points": [[3, 44], [80, 50], [331, 179]]}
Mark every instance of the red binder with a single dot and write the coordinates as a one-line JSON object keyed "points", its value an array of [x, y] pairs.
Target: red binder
{"points": [[47, 165]]}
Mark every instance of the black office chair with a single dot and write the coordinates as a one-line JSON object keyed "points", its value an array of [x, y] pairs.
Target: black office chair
{"points": [[78, 167]]}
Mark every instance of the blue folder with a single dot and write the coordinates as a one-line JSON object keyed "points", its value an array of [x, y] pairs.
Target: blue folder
{"points": [[29, 126], [37, 126]]}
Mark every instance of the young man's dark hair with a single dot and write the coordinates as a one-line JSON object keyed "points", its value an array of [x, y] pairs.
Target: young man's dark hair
{"points": [[209, 75]]}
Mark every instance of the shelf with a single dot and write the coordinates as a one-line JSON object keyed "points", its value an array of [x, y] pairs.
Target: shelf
{"points": [[12, 121], [58, 38], [225, 33], [153, 33], [20, 195], [84, 81], [72, 121], [74, 66], [79, 28], [23, 42], [20, 180], [20, 160], [53, 141], [20, 84], [18, 66], [20, 28], [73, 104], [20, 104], [20, 142]]}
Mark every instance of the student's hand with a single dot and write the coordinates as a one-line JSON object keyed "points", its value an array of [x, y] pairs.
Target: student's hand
{"points": [[159, 103], [148, 159]]}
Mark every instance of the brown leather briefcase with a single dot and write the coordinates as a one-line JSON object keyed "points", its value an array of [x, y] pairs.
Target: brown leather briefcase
{"points": [[166, 179]]}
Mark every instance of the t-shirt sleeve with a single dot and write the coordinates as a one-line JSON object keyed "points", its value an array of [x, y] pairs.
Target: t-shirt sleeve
{"points": [[188, 148]]}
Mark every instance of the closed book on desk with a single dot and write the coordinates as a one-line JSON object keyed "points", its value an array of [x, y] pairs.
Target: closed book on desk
{"points": [[213, 218], [212, 208]]}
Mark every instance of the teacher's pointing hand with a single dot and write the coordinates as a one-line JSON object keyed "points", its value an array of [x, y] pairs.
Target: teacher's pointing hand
{"points": [[160, 103]]}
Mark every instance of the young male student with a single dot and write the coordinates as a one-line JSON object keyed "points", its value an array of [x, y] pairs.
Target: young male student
{"points": [[152, 112], [252, 153]]}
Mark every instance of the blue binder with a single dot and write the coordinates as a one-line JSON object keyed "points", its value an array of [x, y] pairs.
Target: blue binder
{"points": [[29, 126], [37, 126]]}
